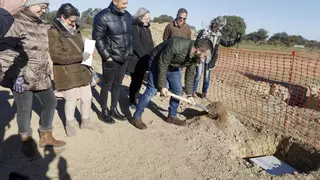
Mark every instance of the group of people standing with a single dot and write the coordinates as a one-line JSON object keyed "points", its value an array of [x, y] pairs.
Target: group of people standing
{"points": [[124, 43]]}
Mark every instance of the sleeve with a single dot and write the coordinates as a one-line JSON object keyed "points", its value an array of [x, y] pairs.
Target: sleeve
{"points": [[13, 62], [227, 43], [137, 47], [6, 20], [166, 33], [165, 59], [58, 54], [200, 34], [99, 32], [189, 78]]}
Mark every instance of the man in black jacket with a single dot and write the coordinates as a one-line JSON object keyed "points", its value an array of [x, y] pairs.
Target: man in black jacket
{"points": [[112, 30], [167, 58], [7, 9]]}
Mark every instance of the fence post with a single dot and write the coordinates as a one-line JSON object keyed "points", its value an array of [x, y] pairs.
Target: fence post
{"points": [[290, 89]]}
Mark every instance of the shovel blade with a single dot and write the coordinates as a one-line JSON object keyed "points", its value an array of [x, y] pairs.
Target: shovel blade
{"points": [[202, 107]]}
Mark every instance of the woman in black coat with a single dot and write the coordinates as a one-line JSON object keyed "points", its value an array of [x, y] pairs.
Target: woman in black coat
{"points": [[142, 45]]}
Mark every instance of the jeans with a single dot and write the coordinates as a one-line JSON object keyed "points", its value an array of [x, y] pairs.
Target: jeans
{"points": [[206, 78], [174, 79], [167, 82], [111, 81], [24, 109]]}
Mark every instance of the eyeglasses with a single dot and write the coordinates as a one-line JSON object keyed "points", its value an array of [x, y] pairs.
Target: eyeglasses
{"points": [[73, 21], [45, 8], [181, 18]]}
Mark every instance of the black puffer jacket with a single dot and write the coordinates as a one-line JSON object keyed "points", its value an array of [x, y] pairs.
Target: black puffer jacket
{"points": [[112, 31], [6, 21], [142, 45]]}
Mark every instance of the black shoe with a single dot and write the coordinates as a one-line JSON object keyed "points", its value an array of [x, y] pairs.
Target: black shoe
{"points": [[105, 117], [116, 114], [29, 147]]}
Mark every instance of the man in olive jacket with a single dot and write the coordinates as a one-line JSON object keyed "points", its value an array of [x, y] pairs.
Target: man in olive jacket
{"points": [[166, 59]]}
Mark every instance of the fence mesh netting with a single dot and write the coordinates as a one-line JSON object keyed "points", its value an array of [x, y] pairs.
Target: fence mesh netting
{"points": [[274, 89]]}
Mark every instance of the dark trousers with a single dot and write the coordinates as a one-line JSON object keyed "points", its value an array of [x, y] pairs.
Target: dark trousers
{"points": [[137, 79], [111, 81], [24, 109]]}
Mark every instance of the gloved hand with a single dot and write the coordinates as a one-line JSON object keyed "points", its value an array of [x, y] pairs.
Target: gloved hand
{"points": [[165, 92], [190, 98], [19, 85], [85, 56], [238, 39]]}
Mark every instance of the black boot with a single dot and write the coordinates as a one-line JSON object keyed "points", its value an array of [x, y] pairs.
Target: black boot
{"points": [[116, 114], [105, 117]]}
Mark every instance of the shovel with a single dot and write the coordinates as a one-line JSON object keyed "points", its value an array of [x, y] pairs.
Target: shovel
{"points": [[201, 106], [188, 101]]}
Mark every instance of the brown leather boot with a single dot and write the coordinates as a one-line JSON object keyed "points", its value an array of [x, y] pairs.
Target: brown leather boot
{"points": [[176, 121], [29, 146], [46, 139], [138, 124]]}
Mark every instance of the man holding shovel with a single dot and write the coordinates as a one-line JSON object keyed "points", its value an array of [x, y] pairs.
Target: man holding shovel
{"points": [[166, 59]]}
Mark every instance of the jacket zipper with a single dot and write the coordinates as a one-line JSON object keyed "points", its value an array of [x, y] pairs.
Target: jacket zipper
{"points": [[125, 30]]}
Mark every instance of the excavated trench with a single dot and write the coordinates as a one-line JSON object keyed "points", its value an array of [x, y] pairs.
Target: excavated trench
{"points": [[247, 141]]}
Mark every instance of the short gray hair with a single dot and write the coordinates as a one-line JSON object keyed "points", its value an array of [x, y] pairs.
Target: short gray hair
{"points": [[141, 13]]}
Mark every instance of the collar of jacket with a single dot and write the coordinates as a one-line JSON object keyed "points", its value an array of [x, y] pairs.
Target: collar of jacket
{"points": [[175, 23], [29, 15], [115, 10], [138, 22], [57, 24]]}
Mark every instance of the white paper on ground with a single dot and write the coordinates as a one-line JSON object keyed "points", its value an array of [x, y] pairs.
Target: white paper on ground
{"points": [[89, 46], [273, 165]]}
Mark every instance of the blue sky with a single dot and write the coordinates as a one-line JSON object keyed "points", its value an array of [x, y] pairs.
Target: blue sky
{"points": [[291, 16]]}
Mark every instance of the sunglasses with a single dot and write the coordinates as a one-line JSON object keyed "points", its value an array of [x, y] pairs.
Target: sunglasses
{"points": [[181, 18]]}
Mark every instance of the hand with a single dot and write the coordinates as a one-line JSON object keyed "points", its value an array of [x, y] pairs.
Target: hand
{"points": [[13, 6], [192, 101], [165, 92], [19, 85], [109, 59], [85, 56], [238, 39]]}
